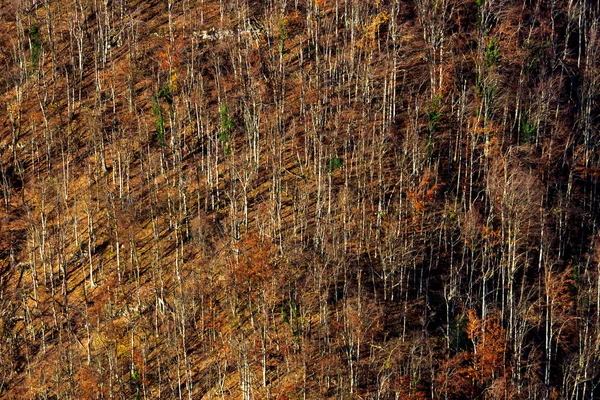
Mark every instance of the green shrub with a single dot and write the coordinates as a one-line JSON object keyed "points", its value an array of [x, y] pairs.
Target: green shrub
{"points": [[434, 113], [36, 44], [528, 130], [283, 35], [226, 123], [335, 163], [166, 94], [492, 53]]}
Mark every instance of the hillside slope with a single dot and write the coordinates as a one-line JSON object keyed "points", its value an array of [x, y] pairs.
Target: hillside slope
{"points": [[308, 199]]}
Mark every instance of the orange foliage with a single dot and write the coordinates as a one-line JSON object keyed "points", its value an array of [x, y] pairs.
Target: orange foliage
{"points": [[424, 193], [469, 372], [89, 384], [456, 377], [254, 260], [489, 347]]}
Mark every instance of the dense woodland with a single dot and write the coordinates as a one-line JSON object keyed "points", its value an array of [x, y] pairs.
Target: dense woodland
{"points": [[309, 199]]}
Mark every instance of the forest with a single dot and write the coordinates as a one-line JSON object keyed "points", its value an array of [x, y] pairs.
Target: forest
{"points": [[300, 199]]}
